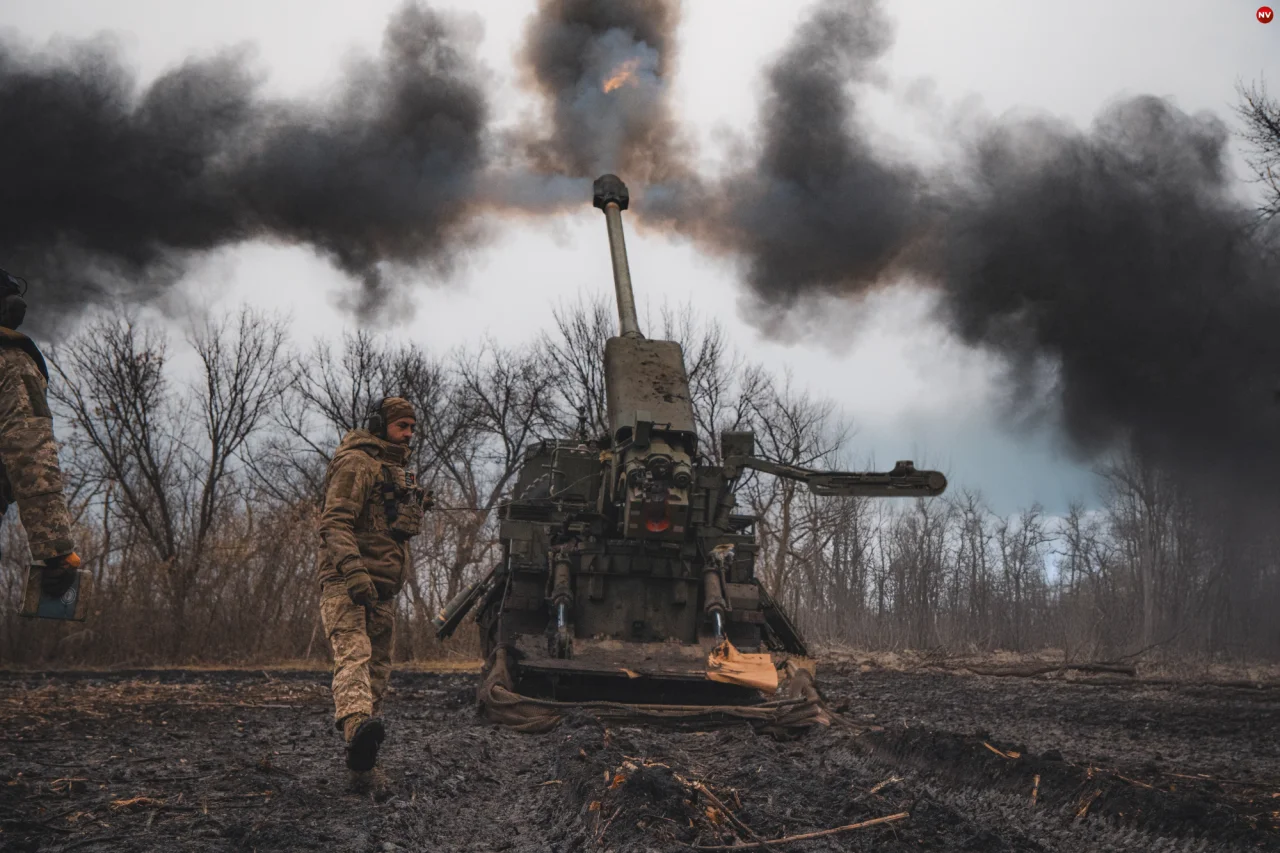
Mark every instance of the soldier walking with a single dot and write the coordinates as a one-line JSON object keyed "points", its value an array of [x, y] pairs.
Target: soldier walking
{"points": [[372, 507], [29, 470]]}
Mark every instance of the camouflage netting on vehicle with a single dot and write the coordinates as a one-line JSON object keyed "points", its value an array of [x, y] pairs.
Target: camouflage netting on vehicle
{"points": [[798, 707]]}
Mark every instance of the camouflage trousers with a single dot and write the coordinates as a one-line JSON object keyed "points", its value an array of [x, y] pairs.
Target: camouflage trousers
{"points": [[362, 644]]}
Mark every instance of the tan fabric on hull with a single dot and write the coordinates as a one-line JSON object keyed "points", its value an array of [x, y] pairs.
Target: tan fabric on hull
{"points": [[730, 666], [797, 707]]}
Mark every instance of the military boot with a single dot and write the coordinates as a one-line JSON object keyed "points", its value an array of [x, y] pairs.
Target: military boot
{"points": [[373, 783], [363, 735]]}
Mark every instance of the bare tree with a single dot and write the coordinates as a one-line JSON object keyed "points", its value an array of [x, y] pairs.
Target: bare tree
{"points": [[1261, 116], [1021, 542], [505, 397], [575, 352], [1086, 570], [972, 584], [1141, 501], [836, 568], [793, 428], [164, 460], [111, 382], [241, 361]]}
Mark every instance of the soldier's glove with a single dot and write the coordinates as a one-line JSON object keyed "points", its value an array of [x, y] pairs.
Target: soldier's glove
{"points": [[429, 499], [58, 574], [360, 587]]}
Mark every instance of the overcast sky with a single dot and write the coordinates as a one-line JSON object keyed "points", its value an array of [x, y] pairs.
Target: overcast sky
{"points": [[911, 391]]}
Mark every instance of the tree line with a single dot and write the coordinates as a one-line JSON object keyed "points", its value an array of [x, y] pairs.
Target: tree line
{"points": [[197, 497]]}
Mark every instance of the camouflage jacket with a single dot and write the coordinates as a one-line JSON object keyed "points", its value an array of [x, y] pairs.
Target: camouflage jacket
{"points": [[372, 507], [28, 453]]}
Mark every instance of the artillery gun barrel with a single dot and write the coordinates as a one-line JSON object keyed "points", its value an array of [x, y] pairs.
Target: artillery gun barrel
{"points": [[611, 196]]}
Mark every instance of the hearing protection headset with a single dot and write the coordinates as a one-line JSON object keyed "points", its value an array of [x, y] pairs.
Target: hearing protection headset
{"points": [[12, 306], [376, 423]]}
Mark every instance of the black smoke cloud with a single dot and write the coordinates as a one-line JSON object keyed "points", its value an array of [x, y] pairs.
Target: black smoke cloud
{"points": [[572, 48], [1123, 256], [817, 209], [111, 190], [1120, 257]]}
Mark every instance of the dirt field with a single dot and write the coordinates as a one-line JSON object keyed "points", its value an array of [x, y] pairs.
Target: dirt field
{"points": [[188, 761]]}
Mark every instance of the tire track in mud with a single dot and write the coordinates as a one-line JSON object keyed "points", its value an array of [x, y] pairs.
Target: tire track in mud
{"points": [[1133, 777], [1075, 808], [1225, 733]]}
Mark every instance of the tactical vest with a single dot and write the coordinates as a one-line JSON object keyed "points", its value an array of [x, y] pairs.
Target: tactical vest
{"points": [[403, 505]]}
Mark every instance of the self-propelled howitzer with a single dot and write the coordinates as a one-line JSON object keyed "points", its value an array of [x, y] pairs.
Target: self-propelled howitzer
{"points": [[627, 580]]}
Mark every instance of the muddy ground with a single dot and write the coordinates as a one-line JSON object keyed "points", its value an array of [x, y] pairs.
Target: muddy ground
{"points": [[185, 761]]}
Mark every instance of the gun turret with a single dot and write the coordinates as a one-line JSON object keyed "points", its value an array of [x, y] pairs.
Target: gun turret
{"points": [[625, 573]]}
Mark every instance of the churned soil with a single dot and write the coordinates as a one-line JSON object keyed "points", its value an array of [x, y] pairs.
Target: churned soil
{"points": [[231, 761]]}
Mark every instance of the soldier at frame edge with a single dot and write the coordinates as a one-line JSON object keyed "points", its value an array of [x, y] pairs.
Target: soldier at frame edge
{"points": [[29, 471], [372, 508]]}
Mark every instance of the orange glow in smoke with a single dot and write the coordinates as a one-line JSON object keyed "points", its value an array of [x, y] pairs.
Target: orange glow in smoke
{"points": [[623, 74]]}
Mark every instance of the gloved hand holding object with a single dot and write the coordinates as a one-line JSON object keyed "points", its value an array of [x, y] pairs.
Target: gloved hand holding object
{"points": [[58, 574], [360, 587]]}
